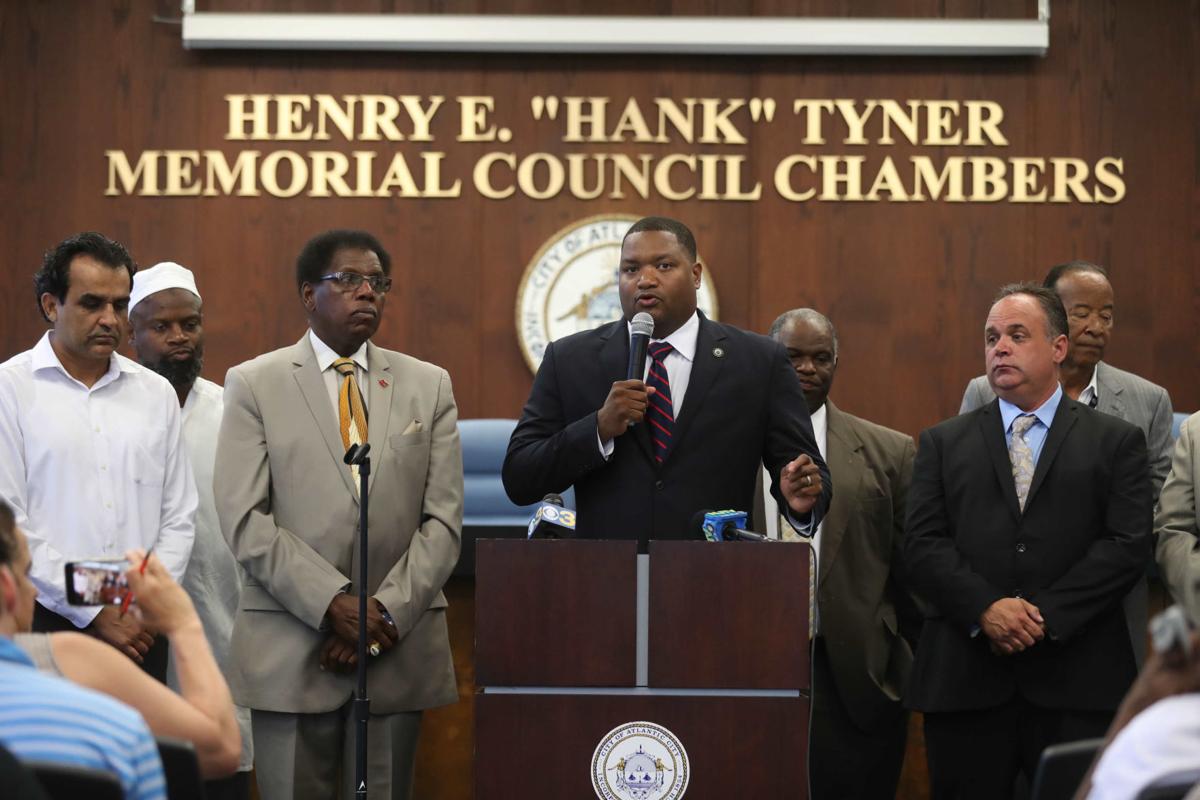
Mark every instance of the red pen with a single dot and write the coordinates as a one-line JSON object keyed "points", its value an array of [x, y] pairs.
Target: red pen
{"points": [[128, 598]]}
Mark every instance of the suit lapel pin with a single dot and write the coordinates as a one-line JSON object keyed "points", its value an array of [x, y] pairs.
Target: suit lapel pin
{"points": [[719, 352], [383, 383]]}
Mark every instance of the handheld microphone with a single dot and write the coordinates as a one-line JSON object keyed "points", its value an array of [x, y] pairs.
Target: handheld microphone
{"points": [[726, 526], [641, 328], [550, 520]]}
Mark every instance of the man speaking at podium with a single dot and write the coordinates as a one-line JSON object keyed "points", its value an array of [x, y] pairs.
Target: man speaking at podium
{"points": [[645, 455]]}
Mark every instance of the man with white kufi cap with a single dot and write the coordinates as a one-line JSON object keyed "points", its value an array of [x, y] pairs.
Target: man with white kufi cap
{"points": [[167, 320]]}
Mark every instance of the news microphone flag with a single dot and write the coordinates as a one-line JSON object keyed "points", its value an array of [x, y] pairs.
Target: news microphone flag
{"points": [[551, 520]]}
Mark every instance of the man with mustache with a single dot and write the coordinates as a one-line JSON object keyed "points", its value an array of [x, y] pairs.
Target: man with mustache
{"points": [[91, 452], [166, 318], [289, 508], [865, 621]]}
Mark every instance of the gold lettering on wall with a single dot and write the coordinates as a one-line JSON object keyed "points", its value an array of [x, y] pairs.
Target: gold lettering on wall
{"points": [[390, 153]]}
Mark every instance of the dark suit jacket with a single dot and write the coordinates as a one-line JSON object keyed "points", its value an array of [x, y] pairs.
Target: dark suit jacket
{"points": [[743, 407], [867, 617], [1080, 544]]}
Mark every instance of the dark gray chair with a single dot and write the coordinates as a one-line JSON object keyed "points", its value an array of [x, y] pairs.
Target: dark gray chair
{"points": [[1169, 788], [18, 780], [181, 768], [70, 782], [1062, 768]]}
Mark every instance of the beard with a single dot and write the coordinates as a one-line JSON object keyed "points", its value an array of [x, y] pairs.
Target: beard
{"points": [[179, 373]]}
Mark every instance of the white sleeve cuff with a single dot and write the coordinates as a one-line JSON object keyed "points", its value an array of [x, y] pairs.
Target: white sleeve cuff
{"points": [[606, 448]]}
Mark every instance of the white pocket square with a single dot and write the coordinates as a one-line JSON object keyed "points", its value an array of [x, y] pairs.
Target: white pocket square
{"points": [[413, 427]]}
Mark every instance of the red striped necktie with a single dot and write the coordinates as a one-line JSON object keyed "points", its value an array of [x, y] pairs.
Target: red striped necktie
{"points": [[661, 413]]}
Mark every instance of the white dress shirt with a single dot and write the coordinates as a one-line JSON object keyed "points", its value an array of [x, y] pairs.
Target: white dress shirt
{"points": [[820, 424], [214, 578], [92, 472], [326, 355], [1091, 393]]}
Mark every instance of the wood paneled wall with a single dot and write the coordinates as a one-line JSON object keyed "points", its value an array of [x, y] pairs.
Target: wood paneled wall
{"points": [[907, 284]]}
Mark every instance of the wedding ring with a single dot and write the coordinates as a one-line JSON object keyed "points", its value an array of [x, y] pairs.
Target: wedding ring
{"points": [[373, 649]]}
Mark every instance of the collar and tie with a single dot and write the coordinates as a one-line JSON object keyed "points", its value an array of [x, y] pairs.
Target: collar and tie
{"points": [[660, 413], [352, 414], [1021, 456]]}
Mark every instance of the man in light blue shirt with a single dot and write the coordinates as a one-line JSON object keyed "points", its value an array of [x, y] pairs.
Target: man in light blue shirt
{"points": [[1028, 520], [1035, 437]]}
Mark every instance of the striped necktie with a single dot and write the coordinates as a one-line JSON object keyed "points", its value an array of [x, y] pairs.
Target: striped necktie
{"points": [[352, 415], [661, 413]]}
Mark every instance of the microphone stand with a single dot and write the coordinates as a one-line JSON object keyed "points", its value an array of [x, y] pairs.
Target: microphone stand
{"points": [[357, 456]]}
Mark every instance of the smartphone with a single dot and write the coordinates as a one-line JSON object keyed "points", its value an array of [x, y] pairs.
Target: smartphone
{"points": [[96, 583]]}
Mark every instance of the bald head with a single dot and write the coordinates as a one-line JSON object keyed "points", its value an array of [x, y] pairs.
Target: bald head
{"points": [[812, 347], [808, 315]]}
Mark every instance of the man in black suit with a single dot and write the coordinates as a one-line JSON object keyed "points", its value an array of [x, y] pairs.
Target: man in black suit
{"points": [[1028, 520], [645, 456]]}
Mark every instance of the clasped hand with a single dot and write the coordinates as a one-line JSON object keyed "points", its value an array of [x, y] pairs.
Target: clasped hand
{"points": [[1012, 624], [339, 653]]}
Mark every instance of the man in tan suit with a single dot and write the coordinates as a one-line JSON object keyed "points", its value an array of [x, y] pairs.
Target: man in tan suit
{"points": [[863, 615], [1177, 521], [288, 506]]}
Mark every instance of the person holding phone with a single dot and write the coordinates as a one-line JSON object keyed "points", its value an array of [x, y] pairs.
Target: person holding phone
{"points": [[47, 718], [202, 713]]}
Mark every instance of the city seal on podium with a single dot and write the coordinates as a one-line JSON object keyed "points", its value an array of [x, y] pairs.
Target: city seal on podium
{"points": [[571, 284], [640, 761]]}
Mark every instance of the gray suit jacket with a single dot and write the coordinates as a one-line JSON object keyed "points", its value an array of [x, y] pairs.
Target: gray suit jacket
{"points": [[1123, 395], [289, 510], [1176, 523], [863, 606]]}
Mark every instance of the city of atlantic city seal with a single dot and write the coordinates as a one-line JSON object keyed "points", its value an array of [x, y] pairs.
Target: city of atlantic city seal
{"points": [[640, 761], [571, 284]]}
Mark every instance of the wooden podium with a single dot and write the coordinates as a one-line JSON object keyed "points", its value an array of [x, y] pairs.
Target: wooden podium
{"points": [[707, 641]]}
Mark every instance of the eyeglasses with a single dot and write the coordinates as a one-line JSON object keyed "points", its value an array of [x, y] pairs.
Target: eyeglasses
{"points": [[350, 281]]}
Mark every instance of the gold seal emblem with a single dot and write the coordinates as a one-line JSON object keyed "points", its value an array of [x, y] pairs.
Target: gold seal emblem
{"points": [[571, 284]]}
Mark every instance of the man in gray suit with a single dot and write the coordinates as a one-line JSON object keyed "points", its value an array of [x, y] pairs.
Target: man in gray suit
{"points": [[1087, 295], [865, 619], [288, 506], [1176, 524]]}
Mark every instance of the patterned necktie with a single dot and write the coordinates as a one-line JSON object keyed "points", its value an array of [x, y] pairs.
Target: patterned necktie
{"points": [[352, 415], [788, 534], [1021, 456], [661, 413]]}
